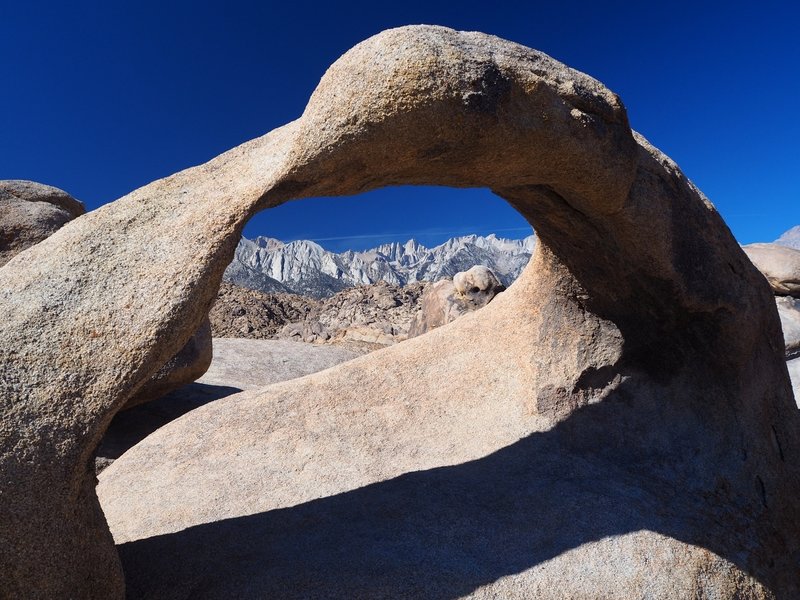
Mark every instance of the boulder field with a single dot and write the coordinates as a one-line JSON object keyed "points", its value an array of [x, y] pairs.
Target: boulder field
{"points": [[619, 423]]}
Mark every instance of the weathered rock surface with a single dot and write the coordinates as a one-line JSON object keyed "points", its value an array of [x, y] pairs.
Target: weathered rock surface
{"points": [[238, 364], [618, 423], [478, 284], [789, 312], [445, 300], [363, 318], [30, 212], [240, 312], [438, 306], [794, 374], [185, 367], [779, 264]]}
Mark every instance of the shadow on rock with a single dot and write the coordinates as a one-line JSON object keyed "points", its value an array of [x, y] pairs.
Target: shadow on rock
{"points": [[445, 532], [131, 426]]}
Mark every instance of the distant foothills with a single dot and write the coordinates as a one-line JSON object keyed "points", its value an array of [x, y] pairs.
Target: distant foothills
{"points": [[304, 267]]}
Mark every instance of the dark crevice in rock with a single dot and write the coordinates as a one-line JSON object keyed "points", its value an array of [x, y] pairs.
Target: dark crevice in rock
{"points": [[597, 379], [778, 442], [762, 490]]}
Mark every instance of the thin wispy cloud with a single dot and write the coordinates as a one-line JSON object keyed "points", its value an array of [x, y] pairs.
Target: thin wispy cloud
{"points": [[417, 233]]}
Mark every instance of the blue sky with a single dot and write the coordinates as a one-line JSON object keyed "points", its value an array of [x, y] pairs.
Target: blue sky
{"points": [[103, 97]]}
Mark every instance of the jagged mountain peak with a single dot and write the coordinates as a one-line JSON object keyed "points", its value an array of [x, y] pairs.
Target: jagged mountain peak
{"points": [[266, 242], [790, 238], [305, 267], [303, 244]]}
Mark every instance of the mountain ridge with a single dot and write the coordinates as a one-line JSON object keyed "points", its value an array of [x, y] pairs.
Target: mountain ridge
{"points": [[304, 267], [790, 238]]}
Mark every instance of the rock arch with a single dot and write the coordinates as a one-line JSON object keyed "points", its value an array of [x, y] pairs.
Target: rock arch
{"points": [[636, 285]]}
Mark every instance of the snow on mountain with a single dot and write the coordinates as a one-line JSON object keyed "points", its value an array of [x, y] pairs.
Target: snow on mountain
{"points": [[306, 268], [790, 238]]}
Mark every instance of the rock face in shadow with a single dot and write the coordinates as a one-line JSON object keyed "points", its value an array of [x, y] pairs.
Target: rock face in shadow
{"points": [[625, 402], [30, 212], [186, 366], [789, 312]]}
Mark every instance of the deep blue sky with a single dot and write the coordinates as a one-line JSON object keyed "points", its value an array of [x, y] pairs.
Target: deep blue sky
{"points": [[102, 97]]}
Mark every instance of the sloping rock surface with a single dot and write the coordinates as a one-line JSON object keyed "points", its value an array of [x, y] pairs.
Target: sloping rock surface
{"points": [[31, 212], [248, 364], [618, 423], [238, 364]]}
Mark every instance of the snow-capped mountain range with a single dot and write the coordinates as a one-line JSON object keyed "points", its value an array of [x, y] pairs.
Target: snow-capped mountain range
{"points": [[304, 267]]}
